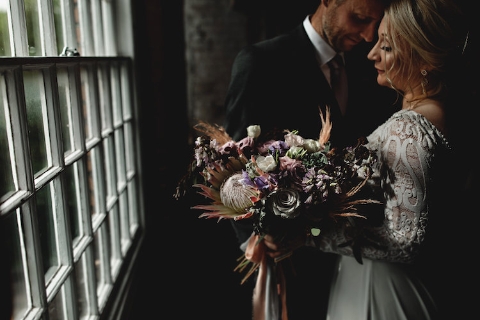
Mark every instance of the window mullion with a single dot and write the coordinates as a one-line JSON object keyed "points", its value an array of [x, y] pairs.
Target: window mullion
{"points": [[18, 29], [68, 23], [97, 24], [85, 22], [47, 26], [108, 28]]}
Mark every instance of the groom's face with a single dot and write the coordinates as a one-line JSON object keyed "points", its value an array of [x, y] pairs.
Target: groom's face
{"points": [[351, 22]]}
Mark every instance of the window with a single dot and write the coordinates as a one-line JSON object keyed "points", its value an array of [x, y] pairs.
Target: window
{"points": [[70, 206]]}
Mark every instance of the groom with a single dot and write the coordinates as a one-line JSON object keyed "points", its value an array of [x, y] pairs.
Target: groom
{"points": [[281, 83]]}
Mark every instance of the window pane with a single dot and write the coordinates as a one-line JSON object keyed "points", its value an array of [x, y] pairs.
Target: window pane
{"points": [[109, 166], [33, 28], [124, 217], [88, 100], [7, 185], [101, 251], [46, 223], [81, 287], [126, 96], [72, 193], [104, 96], [129, 148], [114, 233], [120, 156], [55, 308], [65, 109], [57, 12], [4, 31], [116, 94], [133, 204], [83, 12], [92, 182], [10, 233], [35, 102]]}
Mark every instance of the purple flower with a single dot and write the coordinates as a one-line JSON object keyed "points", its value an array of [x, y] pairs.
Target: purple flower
{"points": [[293, 170], [272, 147]]}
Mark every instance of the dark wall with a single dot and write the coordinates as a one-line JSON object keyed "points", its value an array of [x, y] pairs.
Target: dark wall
{"points": [[186, 265]]}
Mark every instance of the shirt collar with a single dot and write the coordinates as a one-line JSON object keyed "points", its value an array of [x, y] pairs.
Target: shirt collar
{"points": [[323, 51]]}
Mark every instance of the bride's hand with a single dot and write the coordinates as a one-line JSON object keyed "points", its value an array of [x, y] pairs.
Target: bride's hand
{"points": [[273, 248], [279, 250]]}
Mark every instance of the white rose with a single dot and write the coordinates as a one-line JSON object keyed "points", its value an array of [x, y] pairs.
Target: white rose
{"points": [[293, 140], [253, 131], [311, 145], [266, 164]]}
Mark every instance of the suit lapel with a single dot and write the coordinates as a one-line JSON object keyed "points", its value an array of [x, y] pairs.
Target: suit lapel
{"points": [[321, 89]]}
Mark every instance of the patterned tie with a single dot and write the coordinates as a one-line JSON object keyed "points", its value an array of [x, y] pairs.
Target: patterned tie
{"points": [[338, 80]]}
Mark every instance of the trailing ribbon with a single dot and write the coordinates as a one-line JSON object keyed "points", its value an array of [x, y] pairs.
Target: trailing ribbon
{"points": [[269, 294]]}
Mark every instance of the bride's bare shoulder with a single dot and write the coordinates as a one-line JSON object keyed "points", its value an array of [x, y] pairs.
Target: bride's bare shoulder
{"points": [[434, 112]]}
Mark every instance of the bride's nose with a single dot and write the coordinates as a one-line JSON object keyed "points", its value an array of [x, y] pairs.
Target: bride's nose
{"points": [[373, 54]]}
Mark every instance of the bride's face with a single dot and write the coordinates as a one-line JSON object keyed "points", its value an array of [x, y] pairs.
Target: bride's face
{"points": [[384, 56]]}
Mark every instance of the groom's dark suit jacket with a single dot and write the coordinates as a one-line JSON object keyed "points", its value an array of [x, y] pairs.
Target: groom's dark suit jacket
{"points": [[279, 85]]}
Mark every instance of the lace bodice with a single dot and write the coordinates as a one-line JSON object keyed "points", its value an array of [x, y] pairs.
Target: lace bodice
{"points": [[408, 148]]}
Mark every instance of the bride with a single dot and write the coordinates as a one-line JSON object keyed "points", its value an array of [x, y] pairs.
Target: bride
{"points": [[396, 268]]}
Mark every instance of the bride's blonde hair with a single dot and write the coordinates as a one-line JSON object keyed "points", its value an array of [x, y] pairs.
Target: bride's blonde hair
{"points": [[428, 38]]}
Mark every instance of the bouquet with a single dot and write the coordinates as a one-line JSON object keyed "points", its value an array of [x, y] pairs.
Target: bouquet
{"points": [[286, 188]]}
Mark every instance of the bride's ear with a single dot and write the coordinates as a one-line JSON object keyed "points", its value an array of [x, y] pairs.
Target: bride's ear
{"points": [[425, 67]]}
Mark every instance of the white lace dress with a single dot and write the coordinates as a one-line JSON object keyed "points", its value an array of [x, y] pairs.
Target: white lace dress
{"points": [[387, 285]]}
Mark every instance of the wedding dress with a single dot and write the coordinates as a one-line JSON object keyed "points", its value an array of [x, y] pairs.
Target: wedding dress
{"points": [[396, 278]]}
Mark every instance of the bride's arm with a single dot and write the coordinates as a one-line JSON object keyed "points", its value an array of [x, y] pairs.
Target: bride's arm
{"points": [[405, 146]]}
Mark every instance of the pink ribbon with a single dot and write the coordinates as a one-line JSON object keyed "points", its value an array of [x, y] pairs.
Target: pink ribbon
{"points": [[256, 253]]}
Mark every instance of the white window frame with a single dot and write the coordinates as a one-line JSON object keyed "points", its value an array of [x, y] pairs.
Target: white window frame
{"points": [[104, 159]]}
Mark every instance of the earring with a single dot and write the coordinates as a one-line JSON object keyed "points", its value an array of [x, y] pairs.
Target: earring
{"points": [[424, 80]]}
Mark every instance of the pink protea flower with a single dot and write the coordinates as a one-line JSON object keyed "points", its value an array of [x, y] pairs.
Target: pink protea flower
{"points": [[236, 195]]}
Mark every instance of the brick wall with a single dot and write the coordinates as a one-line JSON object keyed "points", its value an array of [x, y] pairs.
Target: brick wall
{"points": [[214, 34]]}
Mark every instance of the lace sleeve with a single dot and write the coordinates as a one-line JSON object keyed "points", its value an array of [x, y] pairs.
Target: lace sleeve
{"points": [[406, 145]]}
